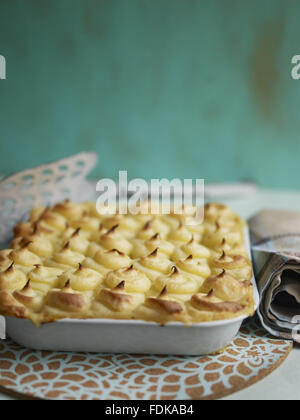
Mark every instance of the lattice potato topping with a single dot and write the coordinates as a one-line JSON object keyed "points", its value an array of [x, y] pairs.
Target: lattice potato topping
{"points": [[71, 262]]}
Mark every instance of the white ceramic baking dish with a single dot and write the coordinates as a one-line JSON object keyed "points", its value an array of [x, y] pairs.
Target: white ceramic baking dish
{"points": [[122, 336]]}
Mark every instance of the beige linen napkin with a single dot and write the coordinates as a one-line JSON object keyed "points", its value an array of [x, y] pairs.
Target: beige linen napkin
{"points": [[275, 239]]}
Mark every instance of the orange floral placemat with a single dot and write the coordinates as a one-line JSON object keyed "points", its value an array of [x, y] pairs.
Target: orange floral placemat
{"points": [[74, 376]]}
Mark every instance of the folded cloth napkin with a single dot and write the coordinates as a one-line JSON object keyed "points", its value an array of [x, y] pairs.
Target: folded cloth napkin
{"points": [[275, 239]]}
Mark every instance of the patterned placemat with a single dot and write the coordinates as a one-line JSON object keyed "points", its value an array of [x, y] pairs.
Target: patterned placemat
{"points": [[74, 376]]}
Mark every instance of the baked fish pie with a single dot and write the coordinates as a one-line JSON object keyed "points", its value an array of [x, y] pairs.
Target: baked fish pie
{"points": [[68, 261]]}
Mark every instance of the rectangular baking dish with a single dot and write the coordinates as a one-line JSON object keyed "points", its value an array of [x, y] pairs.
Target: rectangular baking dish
{"points": [[128, 336]]}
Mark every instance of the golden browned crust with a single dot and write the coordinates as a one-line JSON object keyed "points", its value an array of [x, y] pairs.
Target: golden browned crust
{"points": [[167, 306], [231, 261], [207, 304], [114, 299], [67, 299], [26, 295], [9, 306]]}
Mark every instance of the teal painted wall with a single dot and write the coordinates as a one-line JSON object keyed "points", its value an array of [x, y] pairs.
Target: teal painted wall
{"points": [[162, 88]]}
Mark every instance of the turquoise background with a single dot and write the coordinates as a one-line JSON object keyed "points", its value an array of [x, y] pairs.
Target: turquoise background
{"points": [[162, 88]]}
